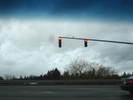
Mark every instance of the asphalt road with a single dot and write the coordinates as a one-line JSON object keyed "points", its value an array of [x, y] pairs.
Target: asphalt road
{"points": [[63, 93]]}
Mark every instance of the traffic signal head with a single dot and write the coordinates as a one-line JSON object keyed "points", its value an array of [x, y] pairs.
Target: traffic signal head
{"points": [[60, 41], [85, 42]]}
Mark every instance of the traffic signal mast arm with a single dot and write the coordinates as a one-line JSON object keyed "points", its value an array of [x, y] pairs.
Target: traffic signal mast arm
{"points": [[120, 42]]}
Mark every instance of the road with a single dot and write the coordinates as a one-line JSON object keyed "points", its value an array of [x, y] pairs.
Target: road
{"points": [[97, 92]]}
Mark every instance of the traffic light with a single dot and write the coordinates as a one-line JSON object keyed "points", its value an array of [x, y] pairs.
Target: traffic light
{"points": [[60, 41], [85, 42]]}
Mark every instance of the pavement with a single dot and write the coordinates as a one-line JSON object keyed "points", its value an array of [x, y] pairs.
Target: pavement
{"points": [[90, 92]]}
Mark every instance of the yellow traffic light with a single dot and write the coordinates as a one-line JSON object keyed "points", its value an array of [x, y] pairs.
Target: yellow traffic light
{"points": [[85, 42], [60, 41]]}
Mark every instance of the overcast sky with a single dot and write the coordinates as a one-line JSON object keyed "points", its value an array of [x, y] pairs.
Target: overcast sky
{"points": [[29, 31]]}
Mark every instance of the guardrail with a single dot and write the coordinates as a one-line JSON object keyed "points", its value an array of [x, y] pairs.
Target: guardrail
{"points": [[60, 82]]}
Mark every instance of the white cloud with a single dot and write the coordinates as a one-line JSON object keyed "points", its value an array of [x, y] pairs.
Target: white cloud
{"points": [[31, 46]]}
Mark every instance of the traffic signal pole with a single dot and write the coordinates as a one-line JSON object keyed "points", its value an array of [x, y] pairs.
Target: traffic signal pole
{"points": [[98, 40]]}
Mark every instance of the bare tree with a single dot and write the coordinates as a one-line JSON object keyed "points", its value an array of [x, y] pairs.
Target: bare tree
{"points": [[77, 67], [83, 69], [9, 77]]}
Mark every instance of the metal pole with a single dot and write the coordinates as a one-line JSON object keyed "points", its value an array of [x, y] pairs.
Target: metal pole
{"points": [[110, 41]]}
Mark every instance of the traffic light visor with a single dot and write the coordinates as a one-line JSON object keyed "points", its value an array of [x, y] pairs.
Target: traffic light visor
{"points": [[59, 38]]}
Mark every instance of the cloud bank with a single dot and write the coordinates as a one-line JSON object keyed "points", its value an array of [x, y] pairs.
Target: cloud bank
{"points": [[31, 46]]}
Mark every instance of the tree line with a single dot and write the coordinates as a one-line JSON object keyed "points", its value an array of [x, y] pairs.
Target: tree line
{"points": [[77, 69]]}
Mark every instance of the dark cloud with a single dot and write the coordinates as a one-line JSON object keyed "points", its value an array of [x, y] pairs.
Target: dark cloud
{"points": [[104, 9]]}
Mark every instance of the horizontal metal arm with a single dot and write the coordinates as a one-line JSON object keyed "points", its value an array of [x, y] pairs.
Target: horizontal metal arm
{"points": [[120, 42]]}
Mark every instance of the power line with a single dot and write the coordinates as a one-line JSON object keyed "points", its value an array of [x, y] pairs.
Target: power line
{"points": [[98, 40]]}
